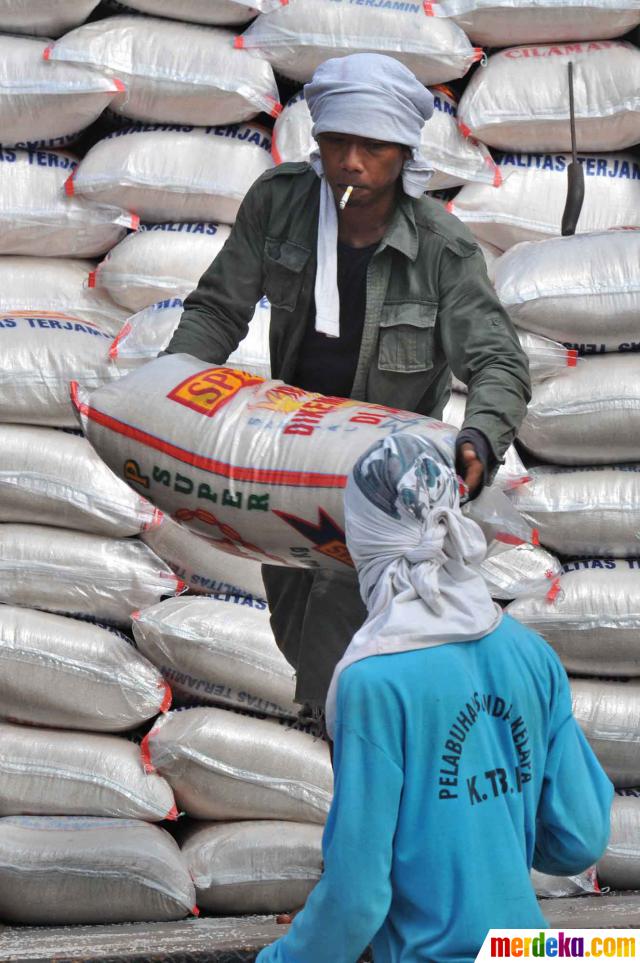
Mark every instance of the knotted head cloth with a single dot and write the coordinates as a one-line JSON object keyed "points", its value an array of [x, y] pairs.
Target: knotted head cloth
{"points": [[368, 95], [415, 554]]}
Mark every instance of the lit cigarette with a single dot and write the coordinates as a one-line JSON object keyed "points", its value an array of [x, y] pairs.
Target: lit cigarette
{"points": [[345, 197]]}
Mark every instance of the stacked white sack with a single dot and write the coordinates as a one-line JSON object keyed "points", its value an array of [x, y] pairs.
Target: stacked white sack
{"points": [[205, 11], [297, 37], [591, 617], [57, 870], [44, 104], [50, 477], [218, 651], [175, 173], [36, 216], [226, 766], [266, 866], [74, 674], [519, 100], [609, 715], [51, 286], [456, 159], [501, 23], [149, 331], [49, 773], [159, 262], [590, 417], [201, 565], [288, 509], [529, 203], [80, 574], [619, 867], [582, 290], [512, 571], [590, 510], [173, 72], [42, 17]]}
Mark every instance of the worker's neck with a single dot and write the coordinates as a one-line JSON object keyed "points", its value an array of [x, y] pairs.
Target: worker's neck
{"points": [[362, 225]]}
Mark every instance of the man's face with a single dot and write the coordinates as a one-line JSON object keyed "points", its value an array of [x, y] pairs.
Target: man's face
{"points": [[372, 167]]}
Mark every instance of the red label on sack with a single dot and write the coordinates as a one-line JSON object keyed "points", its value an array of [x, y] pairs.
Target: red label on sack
{"points": [[211, 389]]}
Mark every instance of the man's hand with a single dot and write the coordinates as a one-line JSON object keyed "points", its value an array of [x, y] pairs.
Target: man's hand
{"points": [[470, 467]]}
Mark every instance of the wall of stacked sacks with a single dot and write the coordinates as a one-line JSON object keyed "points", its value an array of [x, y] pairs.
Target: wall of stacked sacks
{"points": [[139, 680]]}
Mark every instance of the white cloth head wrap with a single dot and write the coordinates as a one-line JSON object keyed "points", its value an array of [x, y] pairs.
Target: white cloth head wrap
{"points": [[414, 552], [369, 95]]}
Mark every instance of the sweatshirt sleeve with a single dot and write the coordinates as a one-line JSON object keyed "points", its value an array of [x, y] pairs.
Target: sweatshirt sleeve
{"points": [[216, 315], [351, 901], [573, 816]]}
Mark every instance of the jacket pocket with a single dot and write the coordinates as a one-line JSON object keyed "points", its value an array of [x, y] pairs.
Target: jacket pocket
{"points": [[407, 336], [284, 264]]}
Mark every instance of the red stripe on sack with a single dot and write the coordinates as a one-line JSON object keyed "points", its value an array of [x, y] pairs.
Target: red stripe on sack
{"points": [[73, 391], [155, 522], [497, 175], [238, 43], [173, 813], [91, 280], [554, 591], [508, 539], [145, 752], [120, 87], [69, 186], [135, 615], [46, 53], [449, 207], [535, 536], [464, 130], [572, 358], [195, 911], [275, 153], [276, 110], [478, 54], [165, 705], [428, 8], [263, 476], [596, 884], [135, 222], [447, 91], [113, 350], [180, 586], [284, 3]]}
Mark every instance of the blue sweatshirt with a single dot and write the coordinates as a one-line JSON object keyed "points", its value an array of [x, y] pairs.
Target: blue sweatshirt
{"points": [[458, 768]]}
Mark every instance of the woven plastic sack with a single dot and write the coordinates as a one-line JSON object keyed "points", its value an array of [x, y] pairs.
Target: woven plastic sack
{"points": [[49, 773], [71, 572], [159, 262], [590, 417], [205, 11], [266, 866], [201, 565], [161, 424], [50, 477], [619, 866], [218, 650], [57, 870], [583, 290], [511, 571], [555, 887], [37, 219], [148, 332], [173, 72], [43, 18], [519, 100], [227, 766], [456, 159], [39, 102], [41, 355], [165, 173], [297, 37], [529, 204], [500, 23], [50, 287], [584, 511], [591, 616], [74, 674], [609, 715]]}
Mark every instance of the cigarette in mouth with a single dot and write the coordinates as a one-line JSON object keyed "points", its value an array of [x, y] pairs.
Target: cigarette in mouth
{"points": [[345, 197]]}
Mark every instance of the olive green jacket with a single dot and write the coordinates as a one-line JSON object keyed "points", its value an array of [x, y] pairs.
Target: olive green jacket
{"points": [[430, 305]]}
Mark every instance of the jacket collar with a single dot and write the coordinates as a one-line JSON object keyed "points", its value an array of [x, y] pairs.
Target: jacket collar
{"points": [[402, 233]]}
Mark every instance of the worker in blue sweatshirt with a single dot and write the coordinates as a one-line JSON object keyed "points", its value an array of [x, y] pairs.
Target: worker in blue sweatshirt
{"points": [[458, 763]]}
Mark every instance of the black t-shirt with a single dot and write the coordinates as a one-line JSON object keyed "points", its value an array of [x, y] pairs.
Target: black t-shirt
{"points": [[328, 365]]}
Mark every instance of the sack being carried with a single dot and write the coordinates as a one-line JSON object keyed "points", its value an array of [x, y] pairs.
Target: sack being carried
{"points": [[273, 491]]}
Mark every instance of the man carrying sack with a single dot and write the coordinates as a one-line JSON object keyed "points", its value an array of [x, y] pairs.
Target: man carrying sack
{"points": [[377, 294]]}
